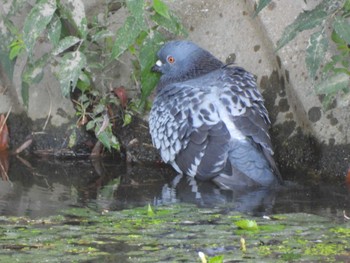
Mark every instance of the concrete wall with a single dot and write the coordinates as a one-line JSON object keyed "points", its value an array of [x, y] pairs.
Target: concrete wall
{"points": [[227, 28]]}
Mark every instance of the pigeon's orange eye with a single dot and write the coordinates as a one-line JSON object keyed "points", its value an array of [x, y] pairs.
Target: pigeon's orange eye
{"points": [[171, 59]]}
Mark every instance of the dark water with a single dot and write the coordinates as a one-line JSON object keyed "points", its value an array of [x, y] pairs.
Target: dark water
{"points": [[40, 187]]}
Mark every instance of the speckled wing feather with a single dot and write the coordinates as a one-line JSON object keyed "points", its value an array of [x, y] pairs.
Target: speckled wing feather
{"points": [[247, 108], [252, 117], [199, 125]]}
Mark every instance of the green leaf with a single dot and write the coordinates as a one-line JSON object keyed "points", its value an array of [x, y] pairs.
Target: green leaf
{"points": [[345, 51], [15, 51], [246, 224], [142, 36], [101, 35], [147, 59], [346, 63], [327, 101], [337, 58], [54, 30], [16, 47], [64, 44], [346, 6], [333, 84], [99, 108], [14, 7], [126, 36], [337, 39], [34, 72], [37, 20], [161, 8], [150, 211], [329, 66], [304, 21], [69, 69], [261, 5], [90, 125], [114, 142], [172, 25], [6, 63], [341, 70], [216, 259], [127, 119], [342, 28], [74, 11], [104, 138], [84, 82], [315, 52], [136, 9]]}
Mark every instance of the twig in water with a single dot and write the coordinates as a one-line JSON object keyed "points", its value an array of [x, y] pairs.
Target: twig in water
{"points": [[243, 246], [4, 174], [202, 257], [24, 146]]}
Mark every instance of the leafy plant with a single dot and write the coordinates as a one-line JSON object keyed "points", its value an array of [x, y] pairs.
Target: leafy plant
{"points": [[84, 48], [246, 224], [327, 14], [205, 259], [150, 211]]}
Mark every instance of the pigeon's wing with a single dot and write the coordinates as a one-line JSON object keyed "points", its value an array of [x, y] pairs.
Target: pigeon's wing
{"points": [[186, 128], [206, 151], [245, 106]]}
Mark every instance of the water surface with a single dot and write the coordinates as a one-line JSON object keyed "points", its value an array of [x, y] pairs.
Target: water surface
{"points": [[43, 187]]}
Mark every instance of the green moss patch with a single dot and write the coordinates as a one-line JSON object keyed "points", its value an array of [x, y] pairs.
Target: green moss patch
{"points": [[171, 234]]}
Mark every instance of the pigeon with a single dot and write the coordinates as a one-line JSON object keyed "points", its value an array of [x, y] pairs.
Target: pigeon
{"points": [[208, 119]]}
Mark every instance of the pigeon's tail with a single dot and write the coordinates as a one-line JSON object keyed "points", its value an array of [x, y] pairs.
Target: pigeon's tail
{"points": [[247, 165]]}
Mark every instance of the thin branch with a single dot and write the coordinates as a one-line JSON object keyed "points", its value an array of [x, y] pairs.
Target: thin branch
{"points": [[50, 109], [6, 117]]}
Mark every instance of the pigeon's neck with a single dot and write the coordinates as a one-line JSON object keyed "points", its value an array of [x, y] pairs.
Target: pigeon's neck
{"points": [[201, 67]]}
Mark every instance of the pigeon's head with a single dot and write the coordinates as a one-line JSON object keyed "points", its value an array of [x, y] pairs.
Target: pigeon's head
{"points": [[182, 60]]}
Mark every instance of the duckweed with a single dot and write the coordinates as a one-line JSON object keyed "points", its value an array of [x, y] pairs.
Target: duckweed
{"points": [[173, 233]]}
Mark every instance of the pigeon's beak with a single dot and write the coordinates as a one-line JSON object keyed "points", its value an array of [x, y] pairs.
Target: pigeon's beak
{"points": [[157, 66]]}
